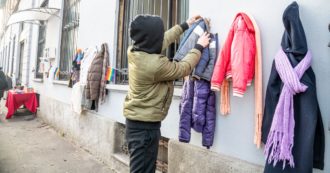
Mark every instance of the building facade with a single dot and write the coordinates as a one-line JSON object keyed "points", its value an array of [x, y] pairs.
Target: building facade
{"points": [[25, 46]]}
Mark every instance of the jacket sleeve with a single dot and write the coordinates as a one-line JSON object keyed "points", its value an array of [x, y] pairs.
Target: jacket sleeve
{"points": [[201, 66], [222, 66], [209, 128], [186, 111], [171, 35], [171, 70], [201, 91]]}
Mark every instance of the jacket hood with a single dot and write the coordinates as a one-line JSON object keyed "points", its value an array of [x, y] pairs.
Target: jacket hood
{"points": [[147, 32], [247, 20], [293, 39]]}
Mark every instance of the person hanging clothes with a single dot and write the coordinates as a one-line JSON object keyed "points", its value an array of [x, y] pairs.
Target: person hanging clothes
{"points": [[292, 126]]}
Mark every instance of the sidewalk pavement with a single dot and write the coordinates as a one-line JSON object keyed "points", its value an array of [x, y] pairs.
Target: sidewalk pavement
{"points": [[28, 145]]}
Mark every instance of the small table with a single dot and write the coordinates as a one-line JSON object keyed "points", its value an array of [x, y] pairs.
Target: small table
{"points": [[16, 100]]}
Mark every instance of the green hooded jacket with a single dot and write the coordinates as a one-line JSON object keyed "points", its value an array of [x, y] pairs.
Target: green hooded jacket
{"points": [[151, 80]]}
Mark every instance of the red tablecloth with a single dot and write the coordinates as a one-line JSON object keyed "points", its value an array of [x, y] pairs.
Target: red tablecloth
{"points": [[15, 100]]}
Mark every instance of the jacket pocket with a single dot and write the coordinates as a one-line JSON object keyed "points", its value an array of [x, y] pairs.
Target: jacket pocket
{"points": [[165, 99]]}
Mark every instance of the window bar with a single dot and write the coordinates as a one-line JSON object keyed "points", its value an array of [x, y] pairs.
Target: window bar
{"points": [[176, 22], [154, 12], [161, 8], [169, 20]]}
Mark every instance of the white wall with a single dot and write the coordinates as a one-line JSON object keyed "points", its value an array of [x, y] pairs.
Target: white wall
{"points": [[234, 134], [97, 24]]}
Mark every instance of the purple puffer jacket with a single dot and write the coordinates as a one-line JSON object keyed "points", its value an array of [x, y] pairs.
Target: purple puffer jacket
{"points": [[185, 110], [197, 111]]}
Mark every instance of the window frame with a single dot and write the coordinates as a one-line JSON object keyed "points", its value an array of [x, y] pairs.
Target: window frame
{"points": [[42, 33], [174, 16], [69, 27]]}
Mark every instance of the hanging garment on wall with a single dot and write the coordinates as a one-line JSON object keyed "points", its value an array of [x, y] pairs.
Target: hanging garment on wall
{"points": [[197, 111], [85, 63], [204, 68], [292, 116], [96, 82], [76, 97], [189, 39], [75, 74], [105, 66], [185, 110], [239, 61]]}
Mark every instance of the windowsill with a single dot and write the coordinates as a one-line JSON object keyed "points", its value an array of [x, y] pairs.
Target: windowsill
{"points": [[114, 87], [39, 80], [61, 82], [124, 88]]}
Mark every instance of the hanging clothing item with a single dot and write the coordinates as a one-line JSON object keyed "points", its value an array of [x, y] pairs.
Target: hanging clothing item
{"points": [[185, 110], [240, 44], [204, 68], [105, 65], [197, 111], [280, 138], [95, 88], [76, 97], [89, 55], [75, 73], [190, 39], [239, 61], [304, 113]]}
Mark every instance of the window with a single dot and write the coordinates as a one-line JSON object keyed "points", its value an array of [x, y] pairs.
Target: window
{"points": [[69, 36], [41, 43], [171, 11], [41, 47]]}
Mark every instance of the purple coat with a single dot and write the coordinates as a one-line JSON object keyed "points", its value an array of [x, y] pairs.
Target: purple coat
{"points": [[197, 111]]}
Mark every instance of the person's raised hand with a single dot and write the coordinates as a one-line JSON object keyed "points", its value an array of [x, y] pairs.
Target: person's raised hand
{"points": [[193, 19], [204, 39]]}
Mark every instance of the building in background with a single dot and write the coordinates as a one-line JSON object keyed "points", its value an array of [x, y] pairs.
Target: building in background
{"points": [[47, 32]]}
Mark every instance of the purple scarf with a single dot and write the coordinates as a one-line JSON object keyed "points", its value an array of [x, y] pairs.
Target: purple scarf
{"points": [[280, 138]]}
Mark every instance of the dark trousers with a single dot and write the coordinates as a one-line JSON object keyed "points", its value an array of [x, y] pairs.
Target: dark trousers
{"points": [[143, 149]]}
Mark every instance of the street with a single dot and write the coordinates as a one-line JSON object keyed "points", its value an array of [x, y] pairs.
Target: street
{"points": [[28, 145]]}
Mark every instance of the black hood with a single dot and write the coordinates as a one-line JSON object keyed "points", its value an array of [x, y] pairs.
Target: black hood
{"points": [[147, 32], [294, 39]]}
